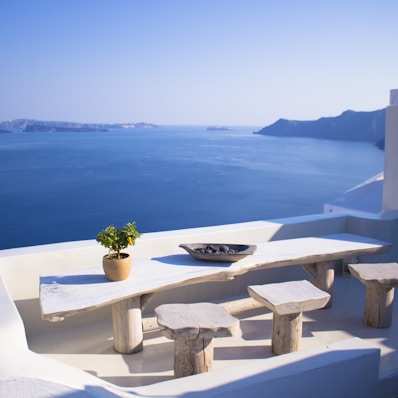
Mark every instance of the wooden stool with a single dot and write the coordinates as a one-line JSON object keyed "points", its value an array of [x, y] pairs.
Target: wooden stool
{"points": [[380, 280], [193, 327], [288, 300]]}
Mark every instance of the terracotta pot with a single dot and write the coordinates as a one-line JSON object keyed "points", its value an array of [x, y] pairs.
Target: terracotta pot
{"points": [[117, 269]]}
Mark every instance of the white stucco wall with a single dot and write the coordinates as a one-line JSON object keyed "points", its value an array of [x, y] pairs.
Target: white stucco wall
{"points": [[390, 188]]}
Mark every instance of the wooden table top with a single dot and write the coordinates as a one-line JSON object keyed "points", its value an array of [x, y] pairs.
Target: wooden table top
{"points": [[63, 295]]}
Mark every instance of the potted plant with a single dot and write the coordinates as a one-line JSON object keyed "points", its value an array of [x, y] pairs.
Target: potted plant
{"points": [[116, 264]]}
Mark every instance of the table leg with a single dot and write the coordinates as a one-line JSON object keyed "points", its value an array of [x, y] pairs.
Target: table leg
{"points": [[127, 325], [322, 276], [378, 306]]}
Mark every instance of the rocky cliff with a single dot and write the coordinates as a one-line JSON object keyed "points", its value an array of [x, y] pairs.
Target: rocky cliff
{"points": [[349, 126]]}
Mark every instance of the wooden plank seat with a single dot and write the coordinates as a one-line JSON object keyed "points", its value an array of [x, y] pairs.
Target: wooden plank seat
{"points": [[287, 301], [380, 281], [193, 327]]}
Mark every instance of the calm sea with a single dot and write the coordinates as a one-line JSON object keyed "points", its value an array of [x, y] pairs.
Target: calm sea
{"points": [[58, 187]]}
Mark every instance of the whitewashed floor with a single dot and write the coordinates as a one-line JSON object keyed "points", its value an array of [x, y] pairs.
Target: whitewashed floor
{"points": [[90, 348]]}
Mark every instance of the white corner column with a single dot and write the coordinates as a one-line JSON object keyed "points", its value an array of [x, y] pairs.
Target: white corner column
{"points": [[390, 187]]}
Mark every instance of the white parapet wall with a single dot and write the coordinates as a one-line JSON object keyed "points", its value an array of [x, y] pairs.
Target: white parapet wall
{"points": [[21, 268], [345, 369]]}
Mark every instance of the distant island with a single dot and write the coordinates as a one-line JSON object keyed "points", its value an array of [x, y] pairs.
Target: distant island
{"points": [[58, 129], [31, 125], [219, 128], [349, 126]]}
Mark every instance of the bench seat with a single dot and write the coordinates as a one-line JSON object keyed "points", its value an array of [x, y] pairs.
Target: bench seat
{"points": [[287, 301], [380, 281], [193, 327]]}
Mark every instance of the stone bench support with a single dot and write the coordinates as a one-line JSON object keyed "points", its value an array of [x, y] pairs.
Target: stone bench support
{"points": [[193, 327], [288, 300]]}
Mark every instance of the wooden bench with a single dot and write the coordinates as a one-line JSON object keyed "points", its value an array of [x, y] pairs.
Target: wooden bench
{"points": [[380, 281], [287, 301], [193, 327]]}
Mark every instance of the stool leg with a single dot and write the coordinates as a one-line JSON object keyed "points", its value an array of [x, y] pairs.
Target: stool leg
{"points": [[192, 356], [378, 306], [286, 333]]}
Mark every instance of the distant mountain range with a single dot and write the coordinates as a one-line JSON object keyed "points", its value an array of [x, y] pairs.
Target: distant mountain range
{"points": [[349, 126], [32, 125]]}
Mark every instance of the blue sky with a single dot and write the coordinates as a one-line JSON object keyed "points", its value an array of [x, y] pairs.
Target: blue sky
{"points": [[230, 62]]}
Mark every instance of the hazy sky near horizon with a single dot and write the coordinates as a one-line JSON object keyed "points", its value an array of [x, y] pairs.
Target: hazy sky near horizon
{"points": [[228, 62]]}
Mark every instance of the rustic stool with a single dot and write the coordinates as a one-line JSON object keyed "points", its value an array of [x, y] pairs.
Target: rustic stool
{"points": [[288, 300], [193, 327], [380, 280]]}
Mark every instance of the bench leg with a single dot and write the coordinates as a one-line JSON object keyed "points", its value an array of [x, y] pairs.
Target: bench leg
{"points": [[286, 333], [378, 306], [192, 356], [322, 276], [127, 326]]}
